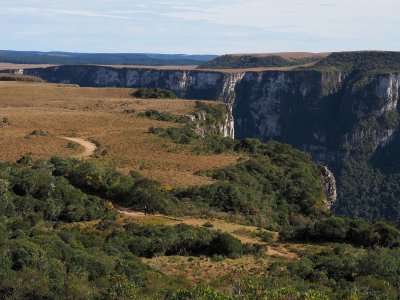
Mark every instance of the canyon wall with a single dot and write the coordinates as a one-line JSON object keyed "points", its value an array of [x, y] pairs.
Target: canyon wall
{"points": [[336, 116]]}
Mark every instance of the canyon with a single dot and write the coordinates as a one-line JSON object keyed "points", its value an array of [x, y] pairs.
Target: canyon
{"points": [[335, 110]]}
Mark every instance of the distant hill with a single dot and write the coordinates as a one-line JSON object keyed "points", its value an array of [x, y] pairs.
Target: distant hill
{"points": [[68, 58], [361, 61], [245, 61]]}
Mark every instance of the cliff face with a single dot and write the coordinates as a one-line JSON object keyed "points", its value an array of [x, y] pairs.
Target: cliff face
{"points": [[328, 115], [336, 114], [330, 188], [324, 113]]}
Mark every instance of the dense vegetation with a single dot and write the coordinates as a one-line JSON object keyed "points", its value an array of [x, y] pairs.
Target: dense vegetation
{"points": [[131, 190], [342, 230], [153, 93], [252, 61], [277, 186], [67, 58], [44, 255], [163, 116], [340, 272], [361, 61], [273, 189]]}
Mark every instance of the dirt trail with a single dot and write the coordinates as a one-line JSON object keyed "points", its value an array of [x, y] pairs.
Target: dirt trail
{"points": [[90, 147], [130, 213]]}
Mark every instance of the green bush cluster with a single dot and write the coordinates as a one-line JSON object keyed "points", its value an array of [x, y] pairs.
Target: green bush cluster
{"points": [[273, 187], [362, 60], [183, 135], [153, 93], [42, 256], [150, 241], [341, 230], [340, 272], [214, 114], [131, 190], [164, 116], [33, 191]]}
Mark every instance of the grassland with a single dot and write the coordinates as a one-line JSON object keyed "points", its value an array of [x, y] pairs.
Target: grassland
{"points": [[10, 66], [7, 66], [107, 116], [19, 77]]}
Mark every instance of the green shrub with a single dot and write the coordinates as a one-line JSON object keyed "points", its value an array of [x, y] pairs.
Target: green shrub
{"points": [[226, 244], [208, 225], [153, 93], [5, 121], [37, 132], [164, 116]]}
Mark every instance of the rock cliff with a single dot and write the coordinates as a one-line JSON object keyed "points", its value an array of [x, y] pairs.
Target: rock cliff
{"points": [[325, 113], [342, 109]]}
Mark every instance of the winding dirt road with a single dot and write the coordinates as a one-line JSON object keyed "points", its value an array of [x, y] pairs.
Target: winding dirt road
{"points": [[89, 147]]}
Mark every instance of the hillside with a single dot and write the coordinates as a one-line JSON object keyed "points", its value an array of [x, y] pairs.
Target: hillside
{"points": [[342, 111], [361, 61], [170, 206], [107, 116], [221, 213], [248, 61], [68, 58]]}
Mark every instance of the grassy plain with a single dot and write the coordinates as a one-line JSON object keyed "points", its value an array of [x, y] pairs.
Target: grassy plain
{"points": [[107, 116]]}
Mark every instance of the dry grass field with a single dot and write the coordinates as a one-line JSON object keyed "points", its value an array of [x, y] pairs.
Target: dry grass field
{"points": [[6, 66], [105, 116], [9, 66], [202, 270]]}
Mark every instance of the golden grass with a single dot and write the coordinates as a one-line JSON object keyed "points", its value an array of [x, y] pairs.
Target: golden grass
{"points": [[9, 66], [63, 110], [203, 270], [19, 77], [294, 55]]}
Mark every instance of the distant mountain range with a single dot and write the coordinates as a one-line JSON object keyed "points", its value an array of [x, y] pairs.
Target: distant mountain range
{"points": [[69, 58]]}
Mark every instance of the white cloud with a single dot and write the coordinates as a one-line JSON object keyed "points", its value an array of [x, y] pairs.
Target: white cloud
{"points": [[55, 12], [318, 18], [208, 26]]}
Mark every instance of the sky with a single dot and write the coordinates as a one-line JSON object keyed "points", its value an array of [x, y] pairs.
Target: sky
{"points": [[199, 26]]}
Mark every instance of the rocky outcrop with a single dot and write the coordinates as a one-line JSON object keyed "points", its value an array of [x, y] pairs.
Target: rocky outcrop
{"points": [[329, 183], [203, 128], [190, 84]]}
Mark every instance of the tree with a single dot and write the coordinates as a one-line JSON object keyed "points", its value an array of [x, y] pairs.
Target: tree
{"points": [[119, 288]]}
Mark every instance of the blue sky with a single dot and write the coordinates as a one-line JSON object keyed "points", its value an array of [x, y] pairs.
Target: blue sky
{"points": [[199, 26]]}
